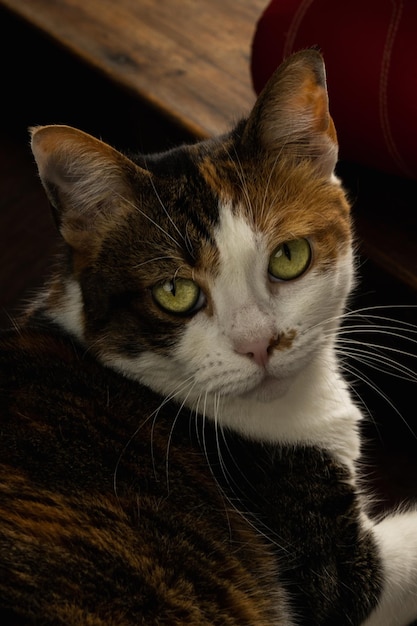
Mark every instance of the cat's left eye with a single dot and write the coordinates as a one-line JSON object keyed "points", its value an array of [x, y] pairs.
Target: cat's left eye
{"points": [[180, 296], [290, 259]]}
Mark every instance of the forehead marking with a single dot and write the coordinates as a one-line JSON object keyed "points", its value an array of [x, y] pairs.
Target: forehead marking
{"points": [[236, 241], [283, 201], [241, 284]]}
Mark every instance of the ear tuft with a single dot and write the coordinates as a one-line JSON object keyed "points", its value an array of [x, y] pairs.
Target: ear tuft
{"points": [[86, 181], [73, 162], [291, 115]]}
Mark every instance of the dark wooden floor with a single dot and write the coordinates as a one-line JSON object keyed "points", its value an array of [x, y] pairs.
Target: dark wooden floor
{"points": [[76, 96]]}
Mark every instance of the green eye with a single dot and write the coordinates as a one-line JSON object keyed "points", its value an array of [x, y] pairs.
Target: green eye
{"points": [[290, 259], [179, 296]]}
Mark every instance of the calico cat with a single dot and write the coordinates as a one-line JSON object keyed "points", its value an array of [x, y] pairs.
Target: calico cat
{"points": [[178, 444]]}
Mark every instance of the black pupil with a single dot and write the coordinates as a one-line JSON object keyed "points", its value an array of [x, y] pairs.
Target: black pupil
{"points": [[287, 251]]}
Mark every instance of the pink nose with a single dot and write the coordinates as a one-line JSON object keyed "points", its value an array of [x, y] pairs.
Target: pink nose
{"points": [[258, 349]]}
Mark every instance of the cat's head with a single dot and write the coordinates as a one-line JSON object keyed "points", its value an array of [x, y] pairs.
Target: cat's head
{"points": [[215, 269]]}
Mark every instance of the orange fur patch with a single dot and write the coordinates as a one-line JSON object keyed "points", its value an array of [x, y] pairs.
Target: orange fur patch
{"points": [[284, 341], [285, 201]]}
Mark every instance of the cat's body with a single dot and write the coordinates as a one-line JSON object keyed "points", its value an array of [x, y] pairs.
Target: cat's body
{"points": [[124, 496], [178, 445]]}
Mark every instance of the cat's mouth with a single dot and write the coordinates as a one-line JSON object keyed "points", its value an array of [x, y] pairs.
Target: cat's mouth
{"points": [[268, 388]]}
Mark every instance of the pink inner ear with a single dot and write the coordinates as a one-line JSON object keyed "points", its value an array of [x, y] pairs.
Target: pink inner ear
{"points": [[291, 116], [311, 101]]}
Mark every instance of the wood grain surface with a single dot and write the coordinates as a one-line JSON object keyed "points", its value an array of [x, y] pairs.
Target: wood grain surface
{"points": [[188, 58]]}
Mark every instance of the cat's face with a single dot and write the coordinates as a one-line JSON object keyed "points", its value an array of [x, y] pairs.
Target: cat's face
{"points": [[213, 270]]}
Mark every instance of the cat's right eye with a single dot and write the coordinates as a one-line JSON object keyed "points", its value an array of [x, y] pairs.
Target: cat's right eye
{"points": [[180, 296], [290, 259]]}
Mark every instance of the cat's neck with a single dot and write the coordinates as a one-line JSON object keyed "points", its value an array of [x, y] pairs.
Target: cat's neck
{"points": [[316, 410]]}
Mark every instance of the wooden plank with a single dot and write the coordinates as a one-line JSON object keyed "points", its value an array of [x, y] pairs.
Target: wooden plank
{"points": [[188, 58]]}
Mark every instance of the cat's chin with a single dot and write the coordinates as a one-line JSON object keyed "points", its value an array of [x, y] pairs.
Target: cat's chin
{"points": [[269, 389]]}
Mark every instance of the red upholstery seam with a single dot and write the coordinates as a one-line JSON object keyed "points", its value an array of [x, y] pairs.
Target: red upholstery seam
{"points": [[383, 86], [295, 25]]}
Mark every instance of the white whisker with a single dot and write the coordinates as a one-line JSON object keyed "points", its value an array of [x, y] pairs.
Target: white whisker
{"points": [[162, 205], [158, 258], [153, 415], [241, 176], [152, 221], [377, 359], [171, 433], [361, 376]]}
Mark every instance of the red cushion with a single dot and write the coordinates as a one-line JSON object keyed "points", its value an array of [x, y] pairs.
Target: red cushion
{"points": [[370, 51]]}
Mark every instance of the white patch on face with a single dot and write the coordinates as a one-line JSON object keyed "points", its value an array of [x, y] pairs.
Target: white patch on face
{"points": [[213, 369], [251, 312]]}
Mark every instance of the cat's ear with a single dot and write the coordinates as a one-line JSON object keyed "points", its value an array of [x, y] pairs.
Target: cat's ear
{"points": [[86, 181], [291, 116]]}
